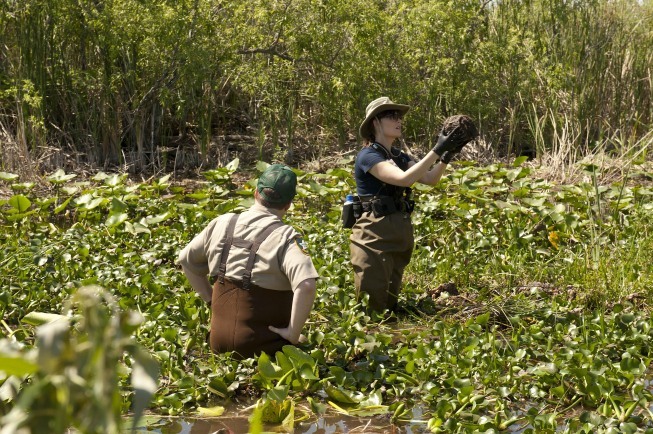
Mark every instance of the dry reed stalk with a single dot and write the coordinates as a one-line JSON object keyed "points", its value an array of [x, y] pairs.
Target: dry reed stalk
{"points": [[15, 157]]}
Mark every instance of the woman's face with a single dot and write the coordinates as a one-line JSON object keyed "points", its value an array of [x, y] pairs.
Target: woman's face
{"points": [[388, 124]]}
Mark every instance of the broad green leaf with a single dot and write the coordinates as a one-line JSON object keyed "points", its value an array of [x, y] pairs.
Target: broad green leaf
{"points": [[22, 186], [519, 161], [513, 174], [267, 369], [261, 166], [279, 393], [100, 176], [116, 219], [373, 399], [534, 202], [40, 318], [15, 365], [298, 357], [88, 202], [114, 180], [20, 203], [84, 199], [136, 228], [62, 206], [306, 373], [210, 411], [342, 396], [157, 219], [483, 319], [164, 180], [218, 386], [60, 177], [118, 206], [5, 176], [590, 168]]}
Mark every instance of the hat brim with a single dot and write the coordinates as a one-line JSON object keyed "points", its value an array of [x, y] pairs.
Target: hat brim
{"points": [[364, 128]]}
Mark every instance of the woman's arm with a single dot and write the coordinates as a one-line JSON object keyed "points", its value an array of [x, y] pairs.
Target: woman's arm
{"points": [[434, 175], [391, 174]]}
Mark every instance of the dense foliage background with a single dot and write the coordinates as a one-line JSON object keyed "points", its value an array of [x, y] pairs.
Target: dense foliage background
{"points": [[549, 330], [148, 83]]}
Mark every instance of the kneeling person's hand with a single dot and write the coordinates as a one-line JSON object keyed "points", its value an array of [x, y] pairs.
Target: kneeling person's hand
{"points": [[288, 335]]}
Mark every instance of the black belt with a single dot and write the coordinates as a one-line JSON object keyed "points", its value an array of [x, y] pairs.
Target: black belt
{"points": [[385, 205]]}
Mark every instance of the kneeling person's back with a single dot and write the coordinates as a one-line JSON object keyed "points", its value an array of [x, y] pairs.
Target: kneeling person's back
{"points": [[254, 271]]}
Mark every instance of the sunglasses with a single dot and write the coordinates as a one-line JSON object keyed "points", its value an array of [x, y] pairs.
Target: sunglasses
{"points": [[395, 115]]}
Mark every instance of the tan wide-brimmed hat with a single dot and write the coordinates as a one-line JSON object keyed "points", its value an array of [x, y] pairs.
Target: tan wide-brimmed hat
{"points": [[375, 107]]}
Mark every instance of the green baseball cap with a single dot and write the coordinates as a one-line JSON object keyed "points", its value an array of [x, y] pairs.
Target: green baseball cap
{"points": [[279, 178]]}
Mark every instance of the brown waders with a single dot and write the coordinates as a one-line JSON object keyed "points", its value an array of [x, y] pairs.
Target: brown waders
{"points": [[381, 248], [241, 312]]}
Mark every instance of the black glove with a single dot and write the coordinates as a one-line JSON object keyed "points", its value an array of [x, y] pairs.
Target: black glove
{"points": [[447, 156], [447, 142]]}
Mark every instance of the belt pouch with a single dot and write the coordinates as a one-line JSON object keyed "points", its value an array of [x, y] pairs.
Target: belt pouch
{"points": [[348, 218], [383, 206]]}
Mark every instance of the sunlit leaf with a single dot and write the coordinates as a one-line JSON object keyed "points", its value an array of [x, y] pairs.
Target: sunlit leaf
{"points": [[16, 365], [60, 177], [261, 166], [157, 219], [519, 161], [267, 369], [40, 318], [22, 186], [232, 166], [5, 176], [210, 411], [116, 219], [342, 396], [62, 206]]}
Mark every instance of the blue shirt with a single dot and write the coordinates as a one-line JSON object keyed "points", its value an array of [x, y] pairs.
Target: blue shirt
{"points": [[366, 183]]}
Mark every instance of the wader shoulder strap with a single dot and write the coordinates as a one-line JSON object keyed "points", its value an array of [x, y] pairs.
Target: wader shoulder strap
{"points": [[247, 276], [253, 248], [222, 270]]}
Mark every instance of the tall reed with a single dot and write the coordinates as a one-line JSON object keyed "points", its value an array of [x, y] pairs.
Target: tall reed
{"points": [[107, 82]]}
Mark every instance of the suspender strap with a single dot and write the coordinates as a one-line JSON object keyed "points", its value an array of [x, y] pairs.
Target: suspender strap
{"points": [[222, 270], [247, 276], [253, 248]]}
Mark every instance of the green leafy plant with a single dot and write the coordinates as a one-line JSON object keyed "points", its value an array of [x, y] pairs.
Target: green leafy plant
{"points": [[74, 370]]}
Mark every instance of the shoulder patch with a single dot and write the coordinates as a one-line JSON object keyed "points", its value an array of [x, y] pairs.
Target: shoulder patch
{"points": [[303, 246]]}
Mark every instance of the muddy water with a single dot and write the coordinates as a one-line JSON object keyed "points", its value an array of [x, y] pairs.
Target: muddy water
{"points": [[327, 425]]}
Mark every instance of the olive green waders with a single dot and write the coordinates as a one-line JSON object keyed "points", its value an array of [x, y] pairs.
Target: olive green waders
{"points": [[241, 312], [381, 248]]}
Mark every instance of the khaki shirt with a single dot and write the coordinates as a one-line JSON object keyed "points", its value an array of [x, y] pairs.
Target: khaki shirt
{"points": [[282, 262]]}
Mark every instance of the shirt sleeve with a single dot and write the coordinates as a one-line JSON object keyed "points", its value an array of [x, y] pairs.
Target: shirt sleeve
{"points": [[194, 257], [369, 158], [296, 263]]}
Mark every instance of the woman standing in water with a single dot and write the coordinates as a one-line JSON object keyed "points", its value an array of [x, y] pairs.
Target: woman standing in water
{"points": [[382, 238]]}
